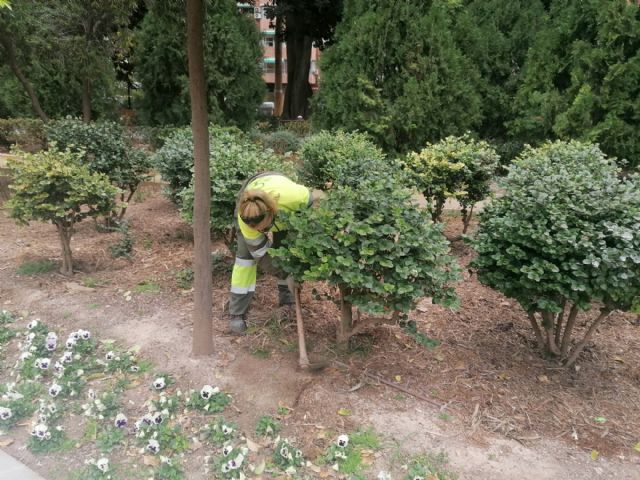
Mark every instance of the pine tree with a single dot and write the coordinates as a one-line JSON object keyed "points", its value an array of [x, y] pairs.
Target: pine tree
{"points": [[396, 73]]}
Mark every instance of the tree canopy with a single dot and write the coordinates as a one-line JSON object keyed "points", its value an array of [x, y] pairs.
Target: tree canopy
{"points": [[396, 72], [582, 78], [232, 65]]}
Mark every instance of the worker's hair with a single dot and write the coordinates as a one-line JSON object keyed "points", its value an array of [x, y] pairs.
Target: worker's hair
{"points": [[256, 205]]}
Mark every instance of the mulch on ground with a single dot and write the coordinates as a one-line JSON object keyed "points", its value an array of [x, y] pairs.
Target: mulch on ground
{"points": [[486, 373]]}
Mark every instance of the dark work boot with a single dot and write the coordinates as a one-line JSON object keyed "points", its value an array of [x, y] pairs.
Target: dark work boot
{"points": [[237, 324]]}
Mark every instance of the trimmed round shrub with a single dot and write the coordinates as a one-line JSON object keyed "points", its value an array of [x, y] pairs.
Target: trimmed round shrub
{"points": [[174, 160], [455, 167], [373, 244], [54, 186], [103, 149], [330, 159], [565, 237], [232, 161], [282, 141]]}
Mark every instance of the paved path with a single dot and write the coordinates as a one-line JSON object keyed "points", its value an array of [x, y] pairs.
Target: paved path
{"points": [[12, 469]]}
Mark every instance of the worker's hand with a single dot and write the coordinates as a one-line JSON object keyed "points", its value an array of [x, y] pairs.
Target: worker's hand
{"points": [[293, 285], [316, 197]]}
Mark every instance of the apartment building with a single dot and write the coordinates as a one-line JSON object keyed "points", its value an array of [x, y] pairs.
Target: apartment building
{"points": [[267, 30]]}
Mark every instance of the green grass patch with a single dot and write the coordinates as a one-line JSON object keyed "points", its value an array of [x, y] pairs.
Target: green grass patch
{"points": [[365, 438], [429, 465], [147, 286], [35, 267]]}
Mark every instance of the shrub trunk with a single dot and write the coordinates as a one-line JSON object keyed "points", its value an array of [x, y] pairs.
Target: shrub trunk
{"points": [[346, 319], [554, 332], [65, 232]]}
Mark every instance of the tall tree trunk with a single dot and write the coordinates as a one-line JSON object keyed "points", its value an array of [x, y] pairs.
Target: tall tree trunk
{"points": [[64, 233], [202, 312], [86, 100], [12, 60], [296, 99], [277, 88]]}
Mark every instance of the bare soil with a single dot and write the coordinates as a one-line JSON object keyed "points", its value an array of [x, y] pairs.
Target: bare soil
{"points": [[495, 405]]}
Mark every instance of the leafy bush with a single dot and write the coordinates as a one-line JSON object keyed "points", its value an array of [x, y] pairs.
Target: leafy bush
{"points": [[53, 186], [299, 127], [102, 149], [282, 141], [340, 158], [564, 237], [458, 167], [174, 160], [382, 252], [232, 161], [124, 246], [26, 133]]}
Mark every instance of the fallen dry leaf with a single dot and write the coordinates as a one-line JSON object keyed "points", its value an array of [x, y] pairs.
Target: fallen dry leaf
{"points": [[6, 442], [151, 461]]}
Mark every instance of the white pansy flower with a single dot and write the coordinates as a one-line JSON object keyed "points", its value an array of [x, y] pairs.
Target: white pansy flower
{"points": [[227, 450], [5, 413], [54, 390], [153, 446], [32, 324], [208, 391], [43, 363], [121, 420], [159, 383], [226, 430], [67, 357], [71, 342], [40, 431], [103, 464], [109, 356], [343, 441]]}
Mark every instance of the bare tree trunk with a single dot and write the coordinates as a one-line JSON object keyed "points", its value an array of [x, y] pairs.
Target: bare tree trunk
{"points": [[64, 233], [202, 312], [575, 352], [277, 88], [12, 60], [346, 319], [568, 330], [123, 210], [466, 217], [536, 329], [558, 322], [548, 323], [86, 100], [438, 208], [296, 99]]}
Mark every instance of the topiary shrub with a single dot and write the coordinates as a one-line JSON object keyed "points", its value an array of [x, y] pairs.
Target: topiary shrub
{"points": [[282, 141], [174, 160], [54, 186], [232, 161], [381, 252], [342, 159], [455, 167], [565, 237], [102, 149]]}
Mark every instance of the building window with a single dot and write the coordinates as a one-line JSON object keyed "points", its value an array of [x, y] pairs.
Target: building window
{"points": [[268, 41]]}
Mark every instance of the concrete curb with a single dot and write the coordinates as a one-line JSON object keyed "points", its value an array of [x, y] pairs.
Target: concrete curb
{"points": [[12, 469]]}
